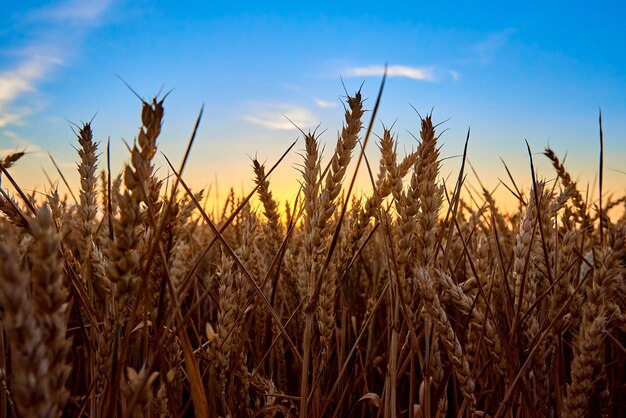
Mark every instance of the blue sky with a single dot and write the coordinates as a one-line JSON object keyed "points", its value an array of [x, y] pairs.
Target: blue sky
{"points": [[530, 71]]}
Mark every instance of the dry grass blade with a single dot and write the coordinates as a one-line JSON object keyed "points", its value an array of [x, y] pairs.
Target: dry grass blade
{"points": [[109, 191], [198, 392], [601, 176], [454, 205], [69, 189], [19, 190]]}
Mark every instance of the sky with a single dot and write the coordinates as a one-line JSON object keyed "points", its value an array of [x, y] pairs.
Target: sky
{"points": [[534, 71]]}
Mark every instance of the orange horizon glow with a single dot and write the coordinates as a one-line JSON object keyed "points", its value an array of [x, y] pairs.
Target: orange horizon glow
{"points": [[217, 181]]}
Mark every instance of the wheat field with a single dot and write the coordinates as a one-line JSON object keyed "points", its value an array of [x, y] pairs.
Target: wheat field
{"points": [[128, 299]]}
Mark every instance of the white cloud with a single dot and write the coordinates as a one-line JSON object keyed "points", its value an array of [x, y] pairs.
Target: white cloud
{"points": [[415, 73], [278, 117], [324, 104]]}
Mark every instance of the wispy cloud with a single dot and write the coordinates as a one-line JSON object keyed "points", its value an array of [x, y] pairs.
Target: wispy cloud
{"points": [[78, 11], [20, 80], [34, 62], [278, 117], [13, 142], [324, 104], [415, 73], [12, 117], [492, 44]]}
